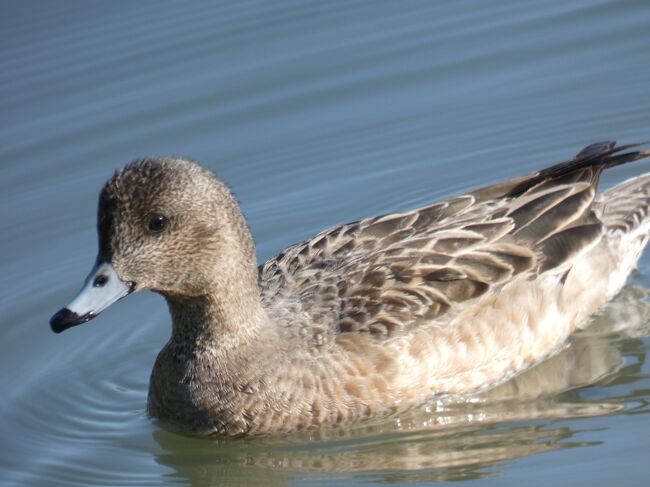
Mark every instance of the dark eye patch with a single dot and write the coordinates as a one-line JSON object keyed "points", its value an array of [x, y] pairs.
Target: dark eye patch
{"points": [[157, 223]]}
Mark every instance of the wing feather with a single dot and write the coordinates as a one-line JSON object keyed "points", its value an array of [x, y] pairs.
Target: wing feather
{"points": [[387, 274]]}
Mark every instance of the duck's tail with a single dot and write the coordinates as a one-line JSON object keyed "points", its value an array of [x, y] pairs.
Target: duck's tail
{"points": [[595, 157], [625, 208], [625, 213]]}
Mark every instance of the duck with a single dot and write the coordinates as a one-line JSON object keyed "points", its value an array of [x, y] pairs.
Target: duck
{"points": [[369, 318]]}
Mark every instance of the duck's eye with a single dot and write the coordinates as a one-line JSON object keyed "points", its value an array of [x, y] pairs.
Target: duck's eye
{"points": [[157, 223]]}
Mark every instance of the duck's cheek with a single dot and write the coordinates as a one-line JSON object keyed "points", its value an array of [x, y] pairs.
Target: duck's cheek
{"points": [[136, 268], [169, 285]]}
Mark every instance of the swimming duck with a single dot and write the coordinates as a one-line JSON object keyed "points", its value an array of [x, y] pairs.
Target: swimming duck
{"points": [[367, 318]]}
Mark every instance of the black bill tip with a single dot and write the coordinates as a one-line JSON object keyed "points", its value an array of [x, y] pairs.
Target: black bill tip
{"points": [[64, 319]]}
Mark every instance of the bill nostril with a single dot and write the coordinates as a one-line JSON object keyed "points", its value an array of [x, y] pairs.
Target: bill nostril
{"points": [[100, 281]]}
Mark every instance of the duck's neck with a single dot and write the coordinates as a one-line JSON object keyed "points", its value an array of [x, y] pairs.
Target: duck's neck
{"points": [[229, 316], [230, 312]]}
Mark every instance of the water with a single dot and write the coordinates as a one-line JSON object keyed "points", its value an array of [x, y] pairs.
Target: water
{"points": [[316, 114]]}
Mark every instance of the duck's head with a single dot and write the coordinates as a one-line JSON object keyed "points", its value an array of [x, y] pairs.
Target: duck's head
{"points": [[167, 225]]}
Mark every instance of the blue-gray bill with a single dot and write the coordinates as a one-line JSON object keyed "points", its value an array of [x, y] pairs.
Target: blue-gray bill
{"points": [[102, 288]]}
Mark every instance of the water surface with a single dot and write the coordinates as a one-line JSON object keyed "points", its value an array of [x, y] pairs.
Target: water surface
{"points": [[315, 113]]}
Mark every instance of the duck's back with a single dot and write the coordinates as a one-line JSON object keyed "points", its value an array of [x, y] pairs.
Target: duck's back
{"points": [[386, 276]]}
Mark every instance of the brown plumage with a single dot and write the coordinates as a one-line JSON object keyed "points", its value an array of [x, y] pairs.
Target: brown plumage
{"points": [[371, 317]]}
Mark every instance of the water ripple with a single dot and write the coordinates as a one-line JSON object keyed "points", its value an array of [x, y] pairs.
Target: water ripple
{"points": [[316, 114]]}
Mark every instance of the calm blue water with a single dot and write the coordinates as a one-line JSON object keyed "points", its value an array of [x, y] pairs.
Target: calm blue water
{"points": [[315, 113]]}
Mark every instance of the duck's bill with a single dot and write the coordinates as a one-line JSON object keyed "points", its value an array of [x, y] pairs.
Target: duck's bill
{"points": [[101, 289]]}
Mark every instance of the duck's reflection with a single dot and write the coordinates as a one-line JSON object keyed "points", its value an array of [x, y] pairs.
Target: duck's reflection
{"points": [[447, 440]]}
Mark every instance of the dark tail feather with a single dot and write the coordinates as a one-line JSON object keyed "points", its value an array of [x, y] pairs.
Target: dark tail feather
{"points": [[598, 156]]}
